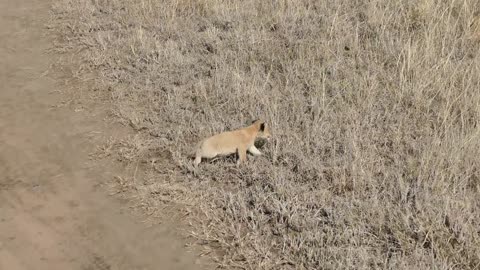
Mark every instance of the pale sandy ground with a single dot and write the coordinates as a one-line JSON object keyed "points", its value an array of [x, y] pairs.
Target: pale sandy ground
{"points": [[52, 213]]}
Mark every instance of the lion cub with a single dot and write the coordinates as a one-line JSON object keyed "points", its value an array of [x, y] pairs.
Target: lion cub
{"points": [[230, 142]]}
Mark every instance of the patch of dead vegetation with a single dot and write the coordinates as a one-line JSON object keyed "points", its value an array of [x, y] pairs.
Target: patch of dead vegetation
{"points": [[374, 107]]}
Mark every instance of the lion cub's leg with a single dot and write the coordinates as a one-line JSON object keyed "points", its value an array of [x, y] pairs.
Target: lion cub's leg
{"points": [[198, 159], [242, 155], [254, 151]]}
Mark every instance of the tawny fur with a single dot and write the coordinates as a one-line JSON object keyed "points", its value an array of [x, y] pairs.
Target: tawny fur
{"points": [[237, 141]]}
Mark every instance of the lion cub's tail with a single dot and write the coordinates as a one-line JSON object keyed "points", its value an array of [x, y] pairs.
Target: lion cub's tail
{"points": [[193, 153]]}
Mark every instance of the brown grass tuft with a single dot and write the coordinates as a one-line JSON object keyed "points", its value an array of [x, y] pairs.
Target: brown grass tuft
{"points": [[374, 105]]}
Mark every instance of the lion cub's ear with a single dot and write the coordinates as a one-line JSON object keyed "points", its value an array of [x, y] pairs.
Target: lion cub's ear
{"points": [[253, 122], [262, 127]]}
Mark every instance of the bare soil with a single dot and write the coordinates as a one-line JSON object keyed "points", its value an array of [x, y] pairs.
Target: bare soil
{"points": [[53, 215]]}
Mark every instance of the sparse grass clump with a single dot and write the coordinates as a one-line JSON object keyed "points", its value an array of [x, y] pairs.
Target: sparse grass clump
{"points": [[374, 106]]}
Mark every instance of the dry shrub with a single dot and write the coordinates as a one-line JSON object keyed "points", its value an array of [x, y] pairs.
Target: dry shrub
{"points": [[374, 107]]}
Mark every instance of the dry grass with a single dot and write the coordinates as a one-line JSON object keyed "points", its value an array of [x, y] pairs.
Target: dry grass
{"points": [[374, 105]]}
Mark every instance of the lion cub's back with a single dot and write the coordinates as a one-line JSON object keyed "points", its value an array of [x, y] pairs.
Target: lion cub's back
{"points": [[224, 143]]}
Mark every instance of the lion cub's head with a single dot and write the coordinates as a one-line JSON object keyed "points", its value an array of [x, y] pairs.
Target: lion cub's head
{"points": [[263, 130]]}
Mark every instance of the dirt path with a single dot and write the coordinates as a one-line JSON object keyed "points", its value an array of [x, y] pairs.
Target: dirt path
{"points": [[52, 216]]}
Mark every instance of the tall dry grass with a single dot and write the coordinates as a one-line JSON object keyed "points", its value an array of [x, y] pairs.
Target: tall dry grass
{"points": [[374, 106]]}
